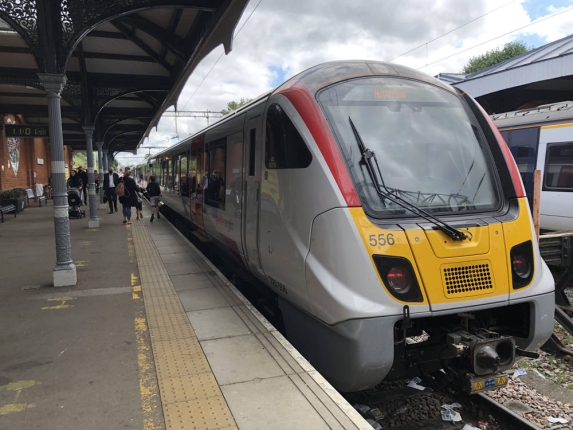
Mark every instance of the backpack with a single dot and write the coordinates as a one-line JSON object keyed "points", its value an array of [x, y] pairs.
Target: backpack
{"points": [[120, 189]]}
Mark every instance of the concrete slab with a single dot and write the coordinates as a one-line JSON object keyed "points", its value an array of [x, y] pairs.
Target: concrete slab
{"points": [[254, 405], [192, 281], [204, 298], [217, 323], [240, 359], [547, 388], [168, 249], [183, 268], [178, 258]]}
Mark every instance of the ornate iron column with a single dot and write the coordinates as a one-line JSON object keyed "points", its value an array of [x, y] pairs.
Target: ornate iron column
{"points": [[65, 270], [101, 167], [94, 220]]}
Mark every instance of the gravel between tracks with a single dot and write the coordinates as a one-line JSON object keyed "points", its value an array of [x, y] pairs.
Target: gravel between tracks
{"points": [[557, 370], [538, 407]]}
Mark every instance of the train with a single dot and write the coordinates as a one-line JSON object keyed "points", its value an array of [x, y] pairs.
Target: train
{"points": [[387, 216], [541, 138]]}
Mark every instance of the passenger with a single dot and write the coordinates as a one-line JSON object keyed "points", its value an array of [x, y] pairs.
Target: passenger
{"points": [[154, 195], [84, 175], [139, 206], [110, 180], [129, 200], [216, 189], [74, 181]]}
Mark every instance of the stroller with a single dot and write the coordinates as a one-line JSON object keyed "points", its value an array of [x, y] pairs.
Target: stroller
{"points": [[75, 204]]}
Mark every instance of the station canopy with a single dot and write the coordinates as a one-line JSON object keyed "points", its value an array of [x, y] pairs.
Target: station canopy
{"points": [[126, 61], [540, 76]]}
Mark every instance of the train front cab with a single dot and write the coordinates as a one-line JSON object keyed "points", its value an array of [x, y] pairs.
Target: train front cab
{"points": [[390, 294]]}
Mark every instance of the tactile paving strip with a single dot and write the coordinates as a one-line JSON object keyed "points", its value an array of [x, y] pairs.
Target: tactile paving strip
{"points": [[206, 413], [190, 395]]}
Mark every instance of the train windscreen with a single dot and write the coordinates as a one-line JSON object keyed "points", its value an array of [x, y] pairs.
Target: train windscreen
{"points": [[429, 148]]}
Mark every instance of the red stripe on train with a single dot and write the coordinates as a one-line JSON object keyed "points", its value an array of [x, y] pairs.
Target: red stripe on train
{"points": [[304, 103]]}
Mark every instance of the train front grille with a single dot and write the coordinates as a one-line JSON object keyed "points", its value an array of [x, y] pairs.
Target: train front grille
{"points": [[467, 280]]}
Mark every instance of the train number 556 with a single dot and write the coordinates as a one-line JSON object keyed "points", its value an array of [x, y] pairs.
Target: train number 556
{"points": [[381, 239]]}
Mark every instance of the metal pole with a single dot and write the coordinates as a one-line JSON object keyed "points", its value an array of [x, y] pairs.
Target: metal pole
{"points": [[94, 220], [65, 271], [101, 167]]}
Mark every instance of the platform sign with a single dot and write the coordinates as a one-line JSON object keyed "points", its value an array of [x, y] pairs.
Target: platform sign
{"points": [[21, 130]]}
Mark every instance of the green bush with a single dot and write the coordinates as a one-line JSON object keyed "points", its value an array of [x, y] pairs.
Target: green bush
{"points": [[12, 194]]}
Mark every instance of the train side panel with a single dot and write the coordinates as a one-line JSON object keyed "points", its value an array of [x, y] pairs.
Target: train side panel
{"points": [[294, 191]]}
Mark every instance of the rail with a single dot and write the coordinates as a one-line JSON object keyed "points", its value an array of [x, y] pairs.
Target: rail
{"points": [[512, 418]]}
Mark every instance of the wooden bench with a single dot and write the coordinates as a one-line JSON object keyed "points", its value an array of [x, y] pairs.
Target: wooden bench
{"points": [[32, 196], [7, 209]]}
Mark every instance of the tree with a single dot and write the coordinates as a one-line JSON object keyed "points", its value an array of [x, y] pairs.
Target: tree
{"points": [[495, 56], [233, 105]]}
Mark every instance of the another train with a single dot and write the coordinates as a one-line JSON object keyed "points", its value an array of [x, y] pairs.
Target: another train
{"points": [[542, 139], [386, 213]]}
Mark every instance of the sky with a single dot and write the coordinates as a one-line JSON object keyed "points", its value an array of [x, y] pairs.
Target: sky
{"points": [[276, 39]]}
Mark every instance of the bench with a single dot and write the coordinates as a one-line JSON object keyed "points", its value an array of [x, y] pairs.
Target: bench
{"points": [[7, 209], [31, 195]]}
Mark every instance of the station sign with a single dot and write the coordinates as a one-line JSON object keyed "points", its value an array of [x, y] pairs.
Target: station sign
{"points": [[21, 130]]}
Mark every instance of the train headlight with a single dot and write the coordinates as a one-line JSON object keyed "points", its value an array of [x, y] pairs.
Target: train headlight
{"points": [[521, 257], [399, 278], [520, 266]]}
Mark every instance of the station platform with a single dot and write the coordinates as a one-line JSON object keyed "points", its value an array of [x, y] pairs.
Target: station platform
{"points": [[153, 336]]}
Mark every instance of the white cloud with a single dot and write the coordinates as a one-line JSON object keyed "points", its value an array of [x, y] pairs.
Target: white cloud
{"points": [[288, 37]]}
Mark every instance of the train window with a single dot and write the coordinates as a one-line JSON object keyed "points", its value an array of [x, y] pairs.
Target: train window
{"points": [[285, 148], [430, 148], [523, 146], [215, 181], [559, 167]]}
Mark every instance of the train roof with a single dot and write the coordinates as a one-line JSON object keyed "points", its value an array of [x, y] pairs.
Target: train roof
{"points": [[545, 114], [318, 76], [314, 79]]}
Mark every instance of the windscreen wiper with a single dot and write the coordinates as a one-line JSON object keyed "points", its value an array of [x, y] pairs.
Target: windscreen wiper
{"points": [[380, 186]]}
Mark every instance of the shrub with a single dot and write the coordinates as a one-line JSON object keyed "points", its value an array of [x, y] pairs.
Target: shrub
{"points": [[12, 194]]}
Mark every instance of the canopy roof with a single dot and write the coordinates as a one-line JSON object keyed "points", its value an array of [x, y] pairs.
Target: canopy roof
{"points": [[126, 61]]}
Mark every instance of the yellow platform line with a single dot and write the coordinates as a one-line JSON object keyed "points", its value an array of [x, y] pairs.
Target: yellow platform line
{"points": [[190, 395]]}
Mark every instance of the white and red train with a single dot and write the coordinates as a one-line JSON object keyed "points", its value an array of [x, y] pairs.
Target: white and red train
{"points": [[386, 213]]}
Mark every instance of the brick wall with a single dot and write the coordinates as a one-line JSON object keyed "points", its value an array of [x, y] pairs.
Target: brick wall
{"points": [[32, 152]]}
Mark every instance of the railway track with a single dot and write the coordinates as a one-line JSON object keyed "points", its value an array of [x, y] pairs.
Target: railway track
{"points": [[393, 405]]}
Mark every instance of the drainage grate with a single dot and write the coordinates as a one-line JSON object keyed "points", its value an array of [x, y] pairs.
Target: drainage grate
{"points": [[467, 280]]}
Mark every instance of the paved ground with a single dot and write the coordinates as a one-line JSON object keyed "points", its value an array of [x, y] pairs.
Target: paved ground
{"points": [[73, 358]]}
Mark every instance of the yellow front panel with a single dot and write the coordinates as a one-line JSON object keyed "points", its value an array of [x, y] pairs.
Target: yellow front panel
{"points": [[519, 231], [451, 271], [383, 242], [489, 266]]}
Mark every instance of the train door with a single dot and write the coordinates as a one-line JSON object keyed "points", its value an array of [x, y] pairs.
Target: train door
{"points": [[523, 145], [197, 188], [556, 161], [251, 194], [286, 218]]}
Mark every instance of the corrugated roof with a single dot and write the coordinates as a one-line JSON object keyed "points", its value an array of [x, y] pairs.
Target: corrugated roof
{"points": [[550, 61], [552, 50]]}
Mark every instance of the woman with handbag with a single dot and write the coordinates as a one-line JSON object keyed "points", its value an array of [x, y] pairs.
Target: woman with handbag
{"points": [[129, 198]]}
